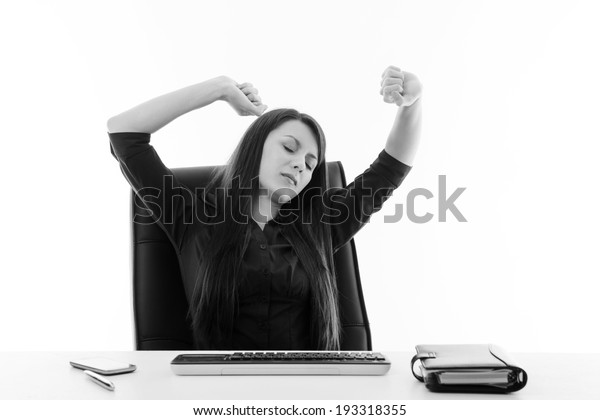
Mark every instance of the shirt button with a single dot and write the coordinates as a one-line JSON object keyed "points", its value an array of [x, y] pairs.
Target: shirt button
{"points": [[266, 272], [263, 246], [264, 299]]}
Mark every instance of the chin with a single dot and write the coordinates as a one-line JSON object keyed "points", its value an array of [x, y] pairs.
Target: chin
{"points": [[284, 195], [284, 199]]}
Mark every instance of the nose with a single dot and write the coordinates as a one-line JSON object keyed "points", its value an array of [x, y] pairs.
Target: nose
{"points": [[300, 165]]}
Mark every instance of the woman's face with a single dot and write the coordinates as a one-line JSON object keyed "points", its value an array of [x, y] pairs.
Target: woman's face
{"points": [[288, 160]]}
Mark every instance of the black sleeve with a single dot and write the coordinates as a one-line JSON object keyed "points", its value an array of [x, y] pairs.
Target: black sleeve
{"points": [[349, 209], [170, 202]]}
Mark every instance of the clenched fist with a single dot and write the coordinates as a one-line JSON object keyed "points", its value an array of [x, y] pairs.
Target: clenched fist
{"points": [[243, 97], [399, 87]]}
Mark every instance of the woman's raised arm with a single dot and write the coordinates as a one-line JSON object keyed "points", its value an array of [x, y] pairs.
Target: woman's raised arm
{"points": [[403, 89], [154, 114]]}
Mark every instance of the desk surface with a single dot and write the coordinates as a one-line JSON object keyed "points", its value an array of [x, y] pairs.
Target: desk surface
{"points": [[48, 375]]}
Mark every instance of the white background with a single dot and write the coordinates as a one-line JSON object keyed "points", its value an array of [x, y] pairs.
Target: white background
{"points": [[510, 113]]}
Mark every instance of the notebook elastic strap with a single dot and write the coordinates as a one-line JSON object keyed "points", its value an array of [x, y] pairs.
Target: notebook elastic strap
{"points": [[419, 357]]}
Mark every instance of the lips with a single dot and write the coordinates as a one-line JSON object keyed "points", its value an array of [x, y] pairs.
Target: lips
{"points": [[292, 177]]}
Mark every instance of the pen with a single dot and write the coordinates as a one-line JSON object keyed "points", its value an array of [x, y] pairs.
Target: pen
{"points": [[100, 380]]}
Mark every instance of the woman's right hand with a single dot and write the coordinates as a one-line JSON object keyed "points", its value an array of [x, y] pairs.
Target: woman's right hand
{"points": [[243, 98]]}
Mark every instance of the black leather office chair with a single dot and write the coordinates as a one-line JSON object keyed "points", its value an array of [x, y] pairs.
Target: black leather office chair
{"points": [[159, 303]]}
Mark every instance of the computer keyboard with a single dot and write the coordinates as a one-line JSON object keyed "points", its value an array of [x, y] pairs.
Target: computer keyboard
{"points": [[281, 363]]}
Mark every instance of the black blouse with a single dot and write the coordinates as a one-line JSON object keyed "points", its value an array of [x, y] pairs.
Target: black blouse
{"points": [[274, 307]]}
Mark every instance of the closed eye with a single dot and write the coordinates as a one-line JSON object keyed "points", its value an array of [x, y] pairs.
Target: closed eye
{"points": [[292, 151]]}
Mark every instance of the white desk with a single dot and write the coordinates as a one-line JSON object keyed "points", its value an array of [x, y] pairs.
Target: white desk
{"points": [[48, 375]]}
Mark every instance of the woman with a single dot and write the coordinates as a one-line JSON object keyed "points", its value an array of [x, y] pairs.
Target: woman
{"points": [[256, 245]]}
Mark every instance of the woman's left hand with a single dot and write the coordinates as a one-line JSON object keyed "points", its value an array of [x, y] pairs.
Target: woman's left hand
{"points": [[399, 87]]}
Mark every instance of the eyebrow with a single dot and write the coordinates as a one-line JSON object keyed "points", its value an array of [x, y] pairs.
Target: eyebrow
{"points": [[298, 144]]}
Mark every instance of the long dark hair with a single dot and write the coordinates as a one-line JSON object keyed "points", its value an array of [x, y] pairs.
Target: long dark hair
{"points": [[215, 298]]}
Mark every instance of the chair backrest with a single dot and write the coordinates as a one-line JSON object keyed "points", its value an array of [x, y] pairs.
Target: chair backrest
{"points": [[159, 303]]}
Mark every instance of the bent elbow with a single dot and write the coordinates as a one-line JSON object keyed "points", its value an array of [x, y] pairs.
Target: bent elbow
{"points": [[110, 125]]}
